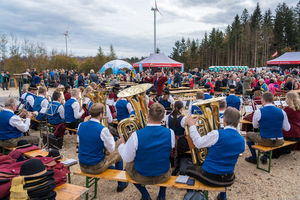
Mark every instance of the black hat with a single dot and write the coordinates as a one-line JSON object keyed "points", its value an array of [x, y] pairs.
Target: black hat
{"points": [[102, 84], [34, 168], [32, 87], [54, 153], [207, 86], [23, 144], [116, 87]]}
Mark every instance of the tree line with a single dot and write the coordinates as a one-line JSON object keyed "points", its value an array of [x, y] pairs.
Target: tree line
{"points": [[250, 40]]}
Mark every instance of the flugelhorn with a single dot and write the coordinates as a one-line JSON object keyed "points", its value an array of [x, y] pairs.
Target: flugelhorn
{"points": [[210, 120], [135, 95]]}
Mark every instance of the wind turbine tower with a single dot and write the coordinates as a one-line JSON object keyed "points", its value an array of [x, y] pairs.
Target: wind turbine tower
{"points": [[66, 34], [155, 9]]}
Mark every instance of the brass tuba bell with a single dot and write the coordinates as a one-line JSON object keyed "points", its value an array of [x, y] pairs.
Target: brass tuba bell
{"points": [[135, 95], [210, 120]]}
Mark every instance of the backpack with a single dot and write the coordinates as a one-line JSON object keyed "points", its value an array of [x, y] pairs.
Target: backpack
{"points": [[194, 195]]}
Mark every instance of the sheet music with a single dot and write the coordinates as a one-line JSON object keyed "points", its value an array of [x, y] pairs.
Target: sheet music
{"points": [[277, 103], [248, 109], [284, 104], [258, 107]]}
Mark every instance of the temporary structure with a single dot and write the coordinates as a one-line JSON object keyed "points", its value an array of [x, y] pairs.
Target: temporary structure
{"points": [[227, 68], [158, 60], [289, 58], [116, 66]]}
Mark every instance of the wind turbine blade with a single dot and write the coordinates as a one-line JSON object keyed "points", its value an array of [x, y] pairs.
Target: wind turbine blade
{"points": [[157, 8]]}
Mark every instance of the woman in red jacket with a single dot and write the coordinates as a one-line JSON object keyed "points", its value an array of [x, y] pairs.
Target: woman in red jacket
{"points": [[293, 114]]}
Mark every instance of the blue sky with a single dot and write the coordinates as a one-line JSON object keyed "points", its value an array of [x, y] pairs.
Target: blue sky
{"points": [[126, 24]]}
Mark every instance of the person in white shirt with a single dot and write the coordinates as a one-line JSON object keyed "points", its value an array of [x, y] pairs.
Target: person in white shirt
{"points": [[222, 109], [147, 153], [94, 138], [271, 120], [12, 127], [41, 103]]}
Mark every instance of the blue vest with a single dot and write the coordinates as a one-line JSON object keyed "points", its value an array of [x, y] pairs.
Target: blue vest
{"points": [[53, 114], [122, 111], [233, 101], [207, 96], [27, 105], [6, 130], [196, 110], [91, 147], [178, 130], [90, 105], [166, 104], [271, 121], [69, 113], [37, 107], [154, 150], [222, 157]]}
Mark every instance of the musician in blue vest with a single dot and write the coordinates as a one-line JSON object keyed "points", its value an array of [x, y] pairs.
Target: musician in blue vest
{"points": [[23, 95], [270, 120], [147, 153], [207, 92], [123, 108], [30, 97], [233, 101], [41, 103], [222, 109], [73, 112], [167, 101], [12, 126], [56, 111], [94, 138], [225, 146], [195, 109]]}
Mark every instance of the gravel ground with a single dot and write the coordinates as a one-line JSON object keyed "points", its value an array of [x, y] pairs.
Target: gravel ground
{"points": [[251, 184]]}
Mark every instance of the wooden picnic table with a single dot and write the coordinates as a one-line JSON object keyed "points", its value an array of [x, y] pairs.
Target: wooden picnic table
{"points": [[186, 91], [180, 88], [69, 192]]}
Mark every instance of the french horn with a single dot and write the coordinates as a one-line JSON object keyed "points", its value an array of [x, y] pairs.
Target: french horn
{"points": [[135, 95], [207, 122]]}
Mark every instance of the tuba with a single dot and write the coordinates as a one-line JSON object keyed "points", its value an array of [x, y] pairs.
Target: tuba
{"points": [[135, 95], [61, 91], [99, 96], [207, 122]]}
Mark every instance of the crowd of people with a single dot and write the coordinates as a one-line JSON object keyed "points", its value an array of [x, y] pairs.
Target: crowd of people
{"points": [[148, 151]]}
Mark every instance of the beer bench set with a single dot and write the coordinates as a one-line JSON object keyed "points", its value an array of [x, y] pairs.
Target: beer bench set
{"points": [[119, 175]]}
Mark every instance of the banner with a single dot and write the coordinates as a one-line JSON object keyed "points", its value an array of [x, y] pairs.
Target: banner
{"points": [[182, 68], [140, 67]]}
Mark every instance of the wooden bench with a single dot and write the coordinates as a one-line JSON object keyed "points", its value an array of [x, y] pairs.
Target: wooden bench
{"points": [[263, 149], [242, 121], [71, 130], [69, 192], [119, 175]]}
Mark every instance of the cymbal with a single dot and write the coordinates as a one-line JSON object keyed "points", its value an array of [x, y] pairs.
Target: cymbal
{"points": [[134, 90]]}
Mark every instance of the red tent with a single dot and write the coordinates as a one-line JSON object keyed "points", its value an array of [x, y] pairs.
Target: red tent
{"points": [[158, 60], [289, 58]]}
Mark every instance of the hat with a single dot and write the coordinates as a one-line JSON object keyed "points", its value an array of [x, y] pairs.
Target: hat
{"points": [[102, 84], [116, 87], [32, 87], [23, 144], [54, 153], [207, 86], [34, 168]]}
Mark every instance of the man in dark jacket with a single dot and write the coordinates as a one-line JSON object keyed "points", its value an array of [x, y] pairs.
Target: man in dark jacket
{"points": [[177, 79], [80, 80], [93, 77]]}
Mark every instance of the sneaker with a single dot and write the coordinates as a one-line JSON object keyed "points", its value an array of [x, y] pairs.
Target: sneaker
{"points": [[251, 160], [263, 160]]}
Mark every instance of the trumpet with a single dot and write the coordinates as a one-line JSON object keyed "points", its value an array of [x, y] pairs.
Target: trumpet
{"points": [[24, 111]]}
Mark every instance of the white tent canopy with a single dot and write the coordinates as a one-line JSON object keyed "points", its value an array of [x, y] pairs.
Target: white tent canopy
{"points": [[116, 66]]}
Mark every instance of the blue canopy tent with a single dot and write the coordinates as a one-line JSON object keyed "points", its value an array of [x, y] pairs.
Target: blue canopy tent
{"points": [[116, 66]]}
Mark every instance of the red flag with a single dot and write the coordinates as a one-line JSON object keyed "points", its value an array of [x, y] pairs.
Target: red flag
{"points": [[275, 54]]}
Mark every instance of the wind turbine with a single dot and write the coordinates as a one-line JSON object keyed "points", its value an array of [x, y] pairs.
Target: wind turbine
{"points": [[155, 9], [66, 34]]}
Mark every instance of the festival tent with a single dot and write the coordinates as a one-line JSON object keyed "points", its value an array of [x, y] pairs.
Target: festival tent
{"points": [[158, 60], [227, 68], [289, 58], [116, 66]]}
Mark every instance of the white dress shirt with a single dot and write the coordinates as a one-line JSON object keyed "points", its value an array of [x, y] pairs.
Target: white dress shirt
{"points": [[105, 136], [108, 114], [182, 123], [16, 121], [60, 110], [44, 105], [76, 109], [257, 116], [207, 140], [128, 150], [30, 99]]}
